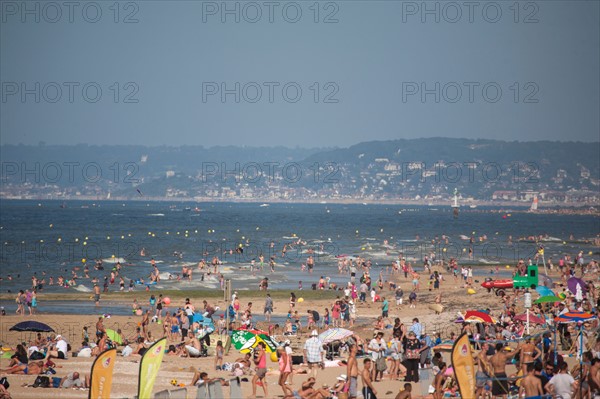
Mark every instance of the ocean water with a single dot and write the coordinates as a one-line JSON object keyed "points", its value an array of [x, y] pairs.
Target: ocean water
{"points": [[44, 239]]}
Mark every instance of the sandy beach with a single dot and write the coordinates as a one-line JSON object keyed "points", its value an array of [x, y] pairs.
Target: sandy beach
{"points": [[454, 298]]}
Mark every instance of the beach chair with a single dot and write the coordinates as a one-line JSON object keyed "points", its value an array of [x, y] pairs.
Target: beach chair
{"points": [[235, 389], [215, 390], [202, 392], [162, 394], [180, 393]]}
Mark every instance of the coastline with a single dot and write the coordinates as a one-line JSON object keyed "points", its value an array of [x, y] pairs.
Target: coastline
{"points": [[503, 206]]}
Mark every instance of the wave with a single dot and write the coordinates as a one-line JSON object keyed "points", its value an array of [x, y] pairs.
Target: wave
{"points": [[488, 262], [114, 260], [155, 214], [82, 288]]}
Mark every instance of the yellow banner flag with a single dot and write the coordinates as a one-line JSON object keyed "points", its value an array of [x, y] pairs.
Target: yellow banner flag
{"points": [[464, 367], [101, 374], [149, 366]]}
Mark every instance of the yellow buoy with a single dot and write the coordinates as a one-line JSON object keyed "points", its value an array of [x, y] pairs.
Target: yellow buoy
{"points": [[83, 260], [508, 266]]}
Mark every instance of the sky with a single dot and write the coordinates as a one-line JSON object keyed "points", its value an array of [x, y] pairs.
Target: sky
{"points": [[303, 73]]}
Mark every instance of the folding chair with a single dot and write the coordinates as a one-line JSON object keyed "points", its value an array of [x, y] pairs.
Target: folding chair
{"points": [[202, 392], [162, 394], [215, 390], [235, 389], [180, 393]]}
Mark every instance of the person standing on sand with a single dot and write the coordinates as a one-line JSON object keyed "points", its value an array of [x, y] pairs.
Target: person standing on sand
{"points": [[352, 372], [499, 379], [285, 367], [368, 391], [144, 323], [313, 353], [100, 329], [261, 370], [531, 385]]}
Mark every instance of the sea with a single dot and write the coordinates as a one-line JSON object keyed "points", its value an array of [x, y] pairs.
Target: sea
{"points": [[55, 238]]}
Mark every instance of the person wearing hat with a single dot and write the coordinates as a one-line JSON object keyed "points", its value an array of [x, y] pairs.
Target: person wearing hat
{"points": [[59, 350], [413, 355], [377, 348], [313, 352], [339, 384]]}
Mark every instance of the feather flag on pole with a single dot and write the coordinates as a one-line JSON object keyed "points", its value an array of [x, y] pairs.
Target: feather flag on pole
{"points": [[102, 374], [149, 366], [464, 367]]}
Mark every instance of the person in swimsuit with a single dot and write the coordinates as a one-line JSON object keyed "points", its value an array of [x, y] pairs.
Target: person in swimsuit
{"points": [[352, 372], [27, 369], [285, 367], [498, 361], [529, 354]]}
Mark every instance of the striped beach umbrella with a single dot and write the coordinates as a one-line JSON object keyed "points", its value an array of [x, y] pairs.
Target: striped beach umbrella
{"points": [[334, 334]]}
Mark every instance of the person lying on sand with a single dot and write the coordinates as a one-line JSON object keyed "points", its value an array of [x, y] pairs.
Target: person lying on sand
{"points": [[32, 368], [73, 380]]}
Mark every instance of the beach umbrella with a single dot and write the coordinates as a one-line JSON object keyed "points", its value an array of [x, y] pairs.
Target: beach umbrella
{"points": [[546, 281], [532, 318], [245, 341], [544, 291], [334, 334], [574, 317], [546, 299], [33, 326], [255, 331], [580, 318], [572, 285], [475, 316], [114, 336]]}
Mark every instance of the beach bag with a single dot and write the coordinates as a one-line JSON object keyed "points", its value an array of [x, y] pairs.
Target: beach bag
{"points": [[41, 382], [4, 381], [37, 356], [412, 354], [56, 382], [381, 364]]}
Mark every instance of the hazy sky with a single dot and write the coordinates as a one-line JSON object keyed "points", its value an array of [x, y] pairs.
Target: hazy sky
{"points": [[302, 73]]}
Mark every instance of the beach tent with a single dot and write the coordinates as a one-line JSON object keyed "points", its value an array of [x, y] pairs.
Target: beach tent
{"points": [[114, 336], [244, 341]]}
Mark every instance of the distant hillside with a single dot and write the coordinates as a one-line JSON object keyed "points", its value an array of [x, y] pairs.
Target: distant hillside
{"points": [[407, 169]]}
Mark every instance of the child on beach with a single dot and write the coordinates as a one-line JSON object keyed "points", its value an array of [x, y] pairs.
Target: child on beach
{"points": [[219, 353]]}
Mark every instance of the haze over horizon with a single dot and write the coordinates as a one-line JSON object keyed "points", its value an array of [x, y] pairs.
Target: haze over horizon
{"points": [[194, 73]]}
